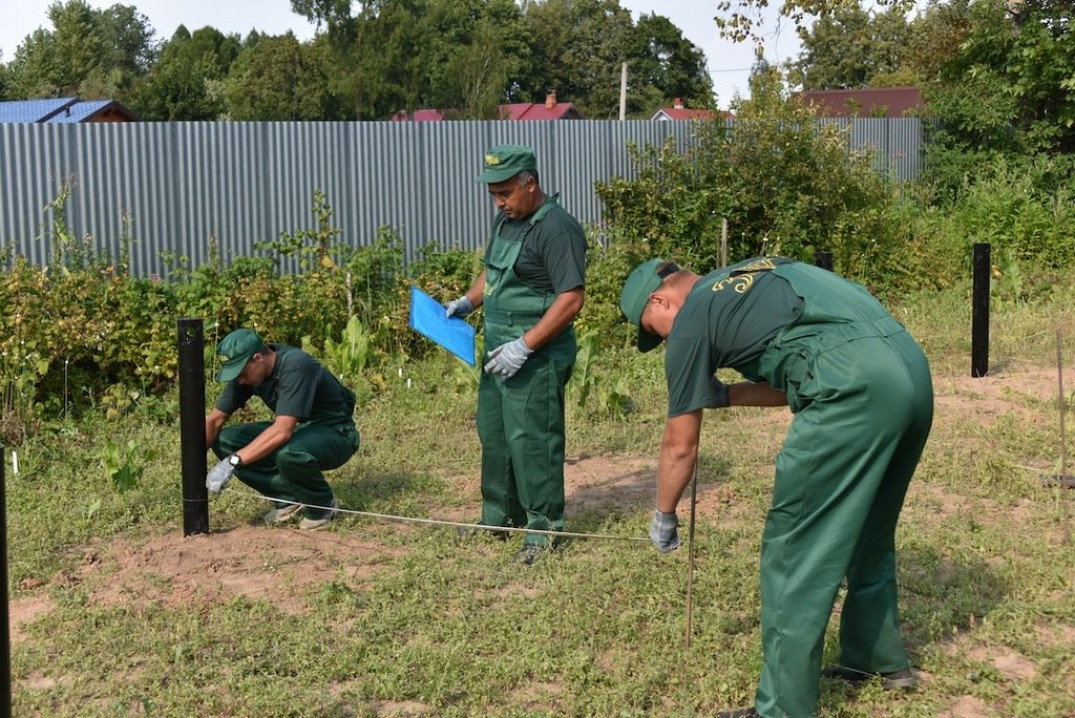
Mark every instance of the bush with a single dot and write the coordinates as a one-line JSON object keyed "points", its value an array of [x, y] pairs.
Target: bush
{"points": [[784, 184]]}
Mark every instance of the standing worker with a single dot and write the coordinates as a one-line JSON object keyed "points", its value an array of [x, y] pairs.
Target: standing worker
{"points": [[313, 429], [861, 393], [532, 287]]}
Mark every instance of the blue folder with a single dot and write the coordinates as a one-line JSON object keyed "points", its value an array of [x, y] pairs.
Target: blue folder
{"points": [[452, 333]]}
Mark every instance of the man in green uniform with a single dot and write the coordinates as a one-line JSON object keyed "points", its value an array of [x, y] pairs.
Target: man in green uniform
{"points": [[313, 429], [861, 393], [532, 287]]}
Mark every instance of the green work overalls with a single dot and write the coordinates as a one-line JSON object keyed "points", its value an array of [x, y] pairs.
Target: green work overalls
{"points": [[862, 396], [521, 419]]}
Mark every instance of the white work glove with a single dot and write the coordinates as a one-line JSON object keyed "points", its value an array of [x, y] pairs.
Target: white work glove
{"points": [[459, 307], [507, 359], [219, 476], [662, 531]]}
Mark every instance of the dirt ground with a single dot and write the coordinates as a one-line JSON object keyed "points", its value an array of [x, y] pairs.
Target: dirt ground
{"points": [[258, 562]]}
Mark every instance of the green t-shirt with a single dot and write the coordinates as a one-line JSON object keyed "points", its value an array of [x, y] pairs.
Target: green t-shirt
{"points": [[727, 321], [298, 386], [553, 257]]}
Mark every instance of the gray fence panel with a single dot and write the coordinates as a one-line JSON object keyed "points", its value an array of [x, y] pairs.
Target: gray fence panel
{"points": [[181, 188]]}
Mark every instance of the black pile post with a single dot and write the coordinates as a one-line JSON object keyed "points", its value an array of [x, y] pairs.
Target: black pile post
{"points": [[5, 629], [823, 260], [192, 426], [979, 342]]}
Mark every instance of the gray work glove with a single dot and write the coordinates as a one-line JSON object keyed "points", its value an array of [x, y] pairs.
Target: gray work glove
{"points": [[459, 307], [662, 531], [219, 476], [507, 359]]}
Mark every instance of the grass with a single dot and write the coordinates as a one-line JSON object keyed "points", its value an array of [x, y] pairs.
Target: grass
{"points": [[410, 620]]}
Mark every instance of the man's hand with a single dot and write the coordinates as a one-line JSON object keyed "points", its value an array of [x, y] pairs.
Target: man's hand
{"points": [[459, 307], [662, 531], [219, 476], [507, 359]]}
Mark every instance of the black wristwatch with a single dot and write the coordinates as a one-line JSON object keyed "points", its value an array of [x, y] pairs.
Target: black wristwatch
{"points": [[234, 460]]}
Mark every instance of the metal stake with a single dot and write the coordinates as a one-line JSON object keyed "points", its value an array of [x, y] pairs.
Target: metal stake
{"points": [[1063, 438], [690, 553]]}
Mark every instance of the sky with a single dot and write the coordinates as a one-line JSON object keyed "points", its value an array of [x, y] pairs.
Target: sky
{"points": [[729, 64]]}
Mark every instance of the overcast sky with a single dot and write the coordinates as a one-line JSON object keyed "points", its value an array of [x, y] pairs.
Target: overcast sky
{"points": [[729, 64]]}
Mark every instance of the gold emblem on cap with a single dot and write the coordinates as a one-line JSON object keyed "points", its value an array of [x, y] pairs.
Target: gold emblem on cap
{"points": [[492, 160]]}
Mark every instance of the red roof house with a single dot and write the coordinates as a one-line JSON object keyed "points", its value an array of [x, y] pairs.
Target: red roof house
{"points": [[867, 102], [550, 110], [678, 112]]}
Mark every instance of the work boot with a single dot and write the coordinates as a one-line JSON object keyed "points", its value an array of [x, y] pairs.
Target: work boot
{"points": [[529, 554], [740, 713], [308, 524], [466, 532], [895, 681], [282, 513]]}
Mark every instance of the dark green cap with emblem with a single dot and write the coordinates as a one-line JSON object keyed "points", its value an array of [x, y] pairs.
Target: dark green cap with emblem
{"points": [[234, 351], [505, 161], [644, 281]]}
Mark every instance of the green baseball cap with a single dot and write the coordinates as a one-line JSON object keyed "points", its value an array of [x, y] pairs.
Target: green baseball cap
{"points": [[505, 161], [643, 282], [234, 351]]}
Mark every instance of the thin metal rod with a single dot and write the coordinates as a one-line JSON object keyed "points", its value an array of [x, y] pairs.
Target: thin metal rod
{"points": [[690, 554], [1063, 436]]}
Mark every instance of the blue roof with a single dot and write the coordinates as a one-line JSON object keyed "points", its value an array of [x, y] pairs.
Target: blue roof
{"points": [[57, 110], [79, 111], [32, 110]]}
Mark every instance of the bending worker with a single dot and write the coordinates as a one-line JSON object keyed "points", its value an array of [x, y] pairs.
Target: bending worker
{"points": [[861, 393], [313, 429], [532, 287]]}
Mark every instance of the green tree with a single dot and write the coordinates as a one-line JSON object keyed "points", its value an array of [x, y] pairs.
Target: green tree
{"points": [[182, 84], [854, 47], [89, 53], [579, 47], [279, 78], [666, 65]]}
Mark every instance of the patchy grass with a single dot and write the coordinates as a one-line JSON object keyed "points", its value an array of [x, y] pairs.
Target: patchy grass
{"points": [[116, 614]]}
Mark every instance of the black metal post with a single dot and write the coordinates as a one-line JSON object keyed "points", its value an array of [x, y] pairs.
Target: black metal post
{"points": [[979, 342], [192, 426], [823, 260], [5, 629]]}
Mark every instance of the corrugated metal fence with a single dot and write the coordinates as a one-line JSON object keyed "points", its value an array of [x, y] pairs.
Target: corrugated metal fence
{"points": [[181, 184]]}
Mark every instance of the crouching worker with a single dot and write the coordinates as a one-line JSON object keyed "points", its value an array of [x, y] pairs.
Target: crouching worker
{"points": [[861, 393], [313, 429]]}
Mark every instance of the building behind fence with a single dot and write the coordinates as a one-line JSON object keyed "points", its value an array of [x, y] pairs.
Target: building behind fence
{"points": [[178, 188]]}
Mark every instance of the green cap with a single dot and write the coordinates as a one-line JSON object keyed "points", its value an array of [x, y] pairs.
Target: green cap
{"points": [[505, 161], [643, 281], [234, 351]]}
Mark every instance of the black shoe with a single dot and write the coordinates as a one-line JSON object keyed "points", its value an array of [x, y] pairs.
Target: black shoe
{"points": [[529, 554], [741, 713], [895, 681], [465, 532]]}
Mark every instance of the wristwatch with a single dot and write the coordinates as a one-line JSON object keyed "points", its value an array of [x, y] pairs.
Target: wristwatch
{"points": [[234, 460]]}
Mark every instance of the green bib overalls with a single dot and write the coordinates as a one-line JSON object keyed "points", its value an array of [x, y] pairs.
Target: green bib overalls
{"points": [[862, 396], [521, 419]]}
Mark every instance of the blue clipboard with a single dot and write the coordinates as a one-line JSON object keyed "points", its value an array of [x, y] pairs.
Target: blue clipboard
{"points": [[452, 333]]}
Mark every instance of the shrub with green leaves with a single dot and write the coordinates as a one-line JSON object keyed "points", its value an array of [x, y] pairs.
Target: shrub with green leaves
{"points": [[784, 184]]}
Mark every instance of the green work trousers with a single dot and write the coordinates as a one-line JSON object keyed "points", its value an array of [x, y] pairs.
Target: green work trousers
{"points": [[521, 427], [294, 471], [864, 406]]}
